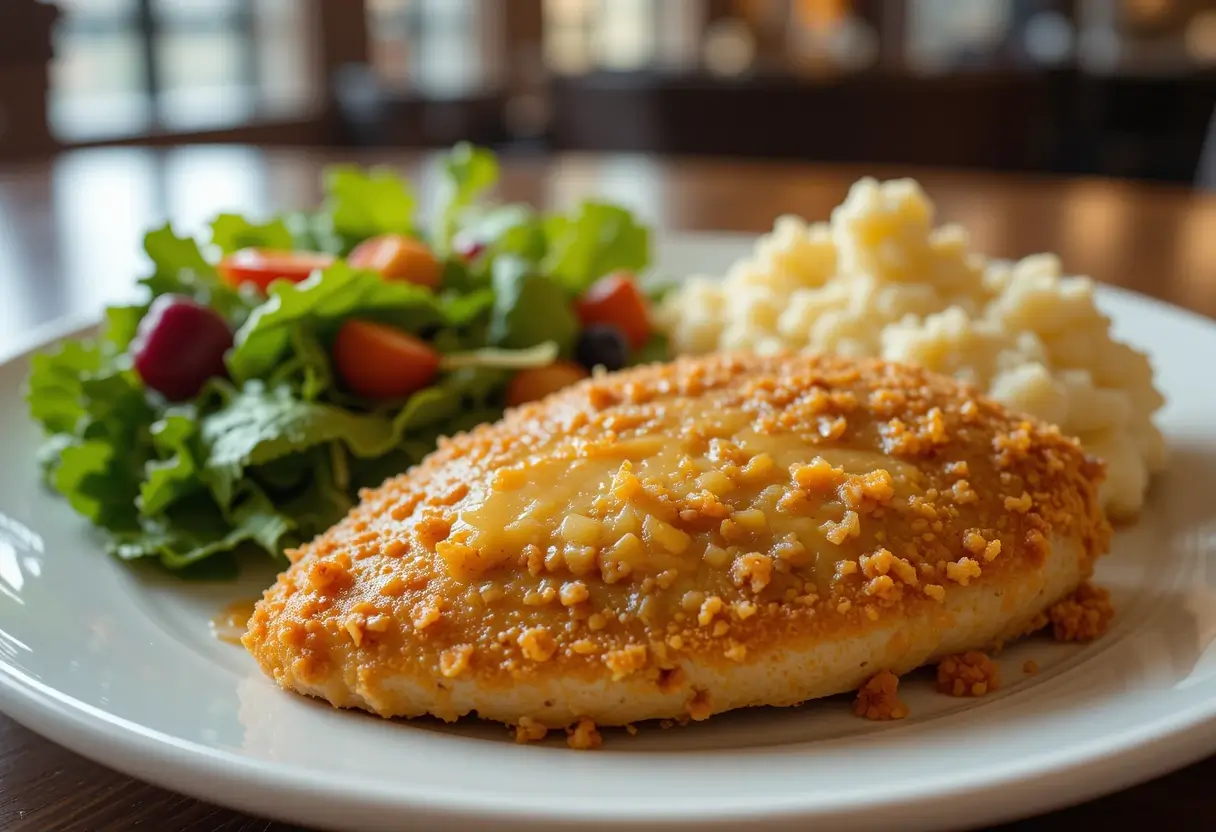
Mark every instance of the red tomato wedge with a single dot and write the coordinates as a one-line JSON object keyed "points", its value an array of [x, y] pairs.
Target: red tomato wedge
{"points": [[381, 362], [261, 267], [616, 301], [398, 257]]}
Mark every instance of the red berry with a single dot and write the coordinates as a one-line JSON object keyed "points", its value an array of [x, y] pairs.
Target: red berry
{"points": [[179, 345], [467, 248]]}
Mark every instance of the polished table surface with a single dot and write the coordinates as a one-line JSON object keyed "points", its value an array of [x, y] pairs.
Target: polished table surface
{"points": [[69, 242]]}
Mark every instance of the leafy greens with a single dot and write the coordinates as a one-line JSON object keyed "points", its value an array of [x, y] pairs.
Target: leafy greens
{"points": [[274, 453]]}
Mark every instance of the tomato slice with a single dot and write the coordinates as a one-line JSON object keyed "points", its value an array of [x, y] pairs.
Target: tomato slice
{"points": [[381, 362], [398, 257], [261, 267], [617, 301]]}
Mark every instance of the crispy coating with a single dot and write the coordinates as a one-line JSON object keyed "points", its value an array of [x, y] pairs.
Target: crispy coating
{"points": [[679, 539]]}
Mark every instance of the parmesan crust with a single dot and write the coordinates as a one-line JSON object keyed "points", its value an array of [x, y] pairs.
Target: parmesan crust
{"points": [[679, 540]]}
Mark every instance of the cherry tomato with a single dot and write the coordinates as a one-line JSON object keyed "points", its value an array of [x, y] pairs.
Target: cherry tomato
{"points": [[180, 344], [261, 267], [538, 382], [616, 301], [398, 257], [381, 362]]}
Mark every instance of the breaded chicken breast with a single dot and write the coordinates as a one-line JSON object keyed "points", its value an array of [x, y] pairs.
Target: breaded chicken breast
{"points": [[678, 540]]}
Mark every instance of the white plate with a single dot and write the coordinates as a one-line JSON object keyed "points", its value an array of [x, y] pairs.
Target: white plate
{"points": [[118, 664]]}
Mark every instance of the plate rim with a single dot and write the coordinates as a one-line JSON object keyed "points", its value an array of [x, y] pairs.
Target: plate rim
{"points": [[1171, 741]]}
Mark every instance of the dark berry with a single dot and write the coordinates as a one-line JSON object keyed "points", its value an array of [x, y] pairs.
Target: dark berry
{"points": [[602, 346], [179, 345]]}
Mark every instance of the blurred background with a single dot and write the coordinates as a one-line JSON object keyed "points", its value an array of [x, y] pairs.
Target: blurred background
{"points": [[1110, 87]]}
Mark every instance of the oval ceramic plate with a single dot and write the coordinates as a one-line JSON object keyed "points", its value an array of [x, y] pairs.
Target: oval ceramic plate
{"points": [[119, 664]]}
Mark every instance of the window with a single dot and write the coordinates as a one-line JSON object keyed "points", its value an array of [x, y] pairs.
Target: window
{"points": [[127, 67], [625, 34], [431, 46], [204, 57], [944, 34], [568, 35], [98, 77], [582, 35]]}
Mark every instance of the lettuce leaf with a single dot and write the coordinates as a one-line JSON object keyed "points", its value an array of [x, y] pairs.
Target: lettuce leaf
{"points": [[275, 452], [174, 474], [231, 232], [468, 172], [197, 529], [80, 476], [320, 304], [530, 308], [121, 324], [180, 268], [513, 229], [599, 239], [363, 203], [54, 389], [100, 465], [258, 425], [308, 368]]}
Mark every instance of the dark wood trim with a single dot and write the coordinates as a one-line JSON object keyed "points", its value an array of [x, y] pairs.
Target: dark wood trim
{"points": [[312, 131]]}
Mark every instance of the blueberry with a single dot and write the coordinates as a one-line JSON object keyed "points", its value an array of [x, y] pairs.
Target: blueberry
{"points": [[602, 346]]}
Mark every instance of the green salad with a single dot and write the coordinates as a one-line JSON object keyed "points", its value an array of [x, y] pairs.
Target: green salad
{"points": [[285, 363]]}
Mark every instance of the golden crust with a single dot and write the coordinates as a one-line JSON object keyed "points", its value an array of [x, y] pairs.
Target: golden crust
{"points": [[704, 514]]}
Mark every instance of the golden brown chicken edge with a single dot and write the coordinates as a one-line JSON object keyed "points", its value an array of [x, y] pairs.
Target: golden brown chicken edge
{"points": [[760, 629]]}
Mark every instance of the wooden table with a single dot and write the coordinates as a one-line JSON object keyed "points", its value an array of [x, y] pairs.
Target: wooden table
{"points": [[69, 242]]}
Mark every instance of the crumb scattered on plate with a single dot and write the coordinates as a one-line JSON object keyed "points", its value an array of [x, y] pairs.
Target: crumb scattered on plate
{"points": [[1083, 616], [968, 674], [878, 698]]}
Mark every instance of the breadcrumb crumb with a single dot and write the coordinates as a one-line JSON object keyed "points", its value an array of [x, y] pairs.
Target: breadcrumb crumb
{"points": [[699, 707], [628, 660], [968, 674], [1082, 616], [455, 660], [963, 571], [1030, 667], [878, 698], [537, 644], [529, 730], [583, 736]]}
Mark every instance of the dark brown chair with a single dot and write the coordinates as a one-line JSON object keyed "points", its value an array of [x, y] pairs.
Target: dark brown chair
{"points": [[1205, 177], [25, 56]]}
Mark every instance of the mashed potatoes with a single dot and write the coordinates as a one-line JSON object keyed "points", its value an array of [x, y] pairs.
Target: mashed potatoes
{"points": [[880, 280]]}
